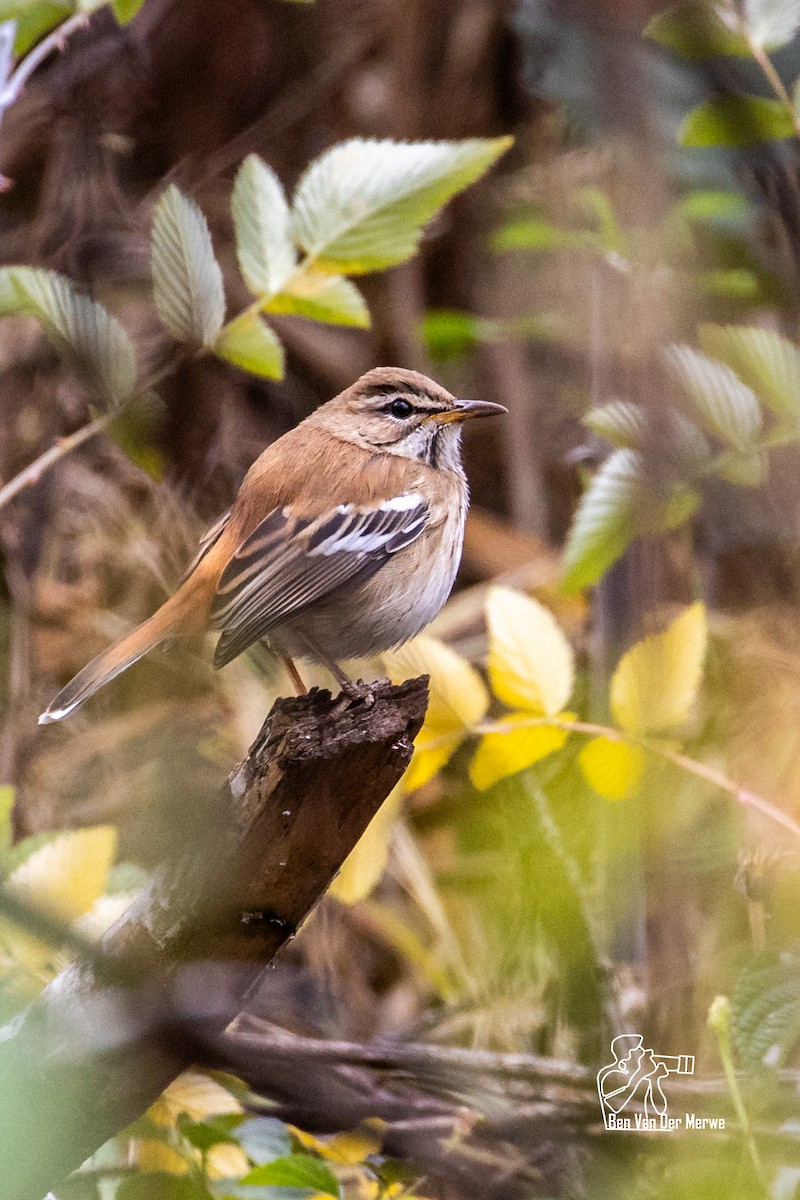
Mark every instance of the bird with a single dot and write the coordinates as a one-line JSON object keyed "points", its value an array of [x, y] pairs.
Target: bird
{"points": [[343, 541]]}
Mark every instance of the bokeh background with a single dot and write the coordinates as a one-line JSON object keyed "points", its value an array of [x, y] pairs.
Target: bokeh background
{"points": [[536, 917]]}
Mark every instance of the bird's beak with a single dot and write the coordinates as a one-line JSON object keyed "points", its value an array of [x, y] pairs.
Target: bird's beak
{"points": [[464, 410]]}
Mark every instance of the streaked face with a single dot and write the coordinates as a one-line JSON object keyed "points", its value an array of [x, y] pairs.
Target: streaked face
{"points": [[418, 420]]}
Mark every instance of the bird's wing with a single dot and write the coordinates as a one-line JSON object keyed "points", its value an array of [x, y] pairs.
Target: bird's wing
{"points": [[290, 562]]}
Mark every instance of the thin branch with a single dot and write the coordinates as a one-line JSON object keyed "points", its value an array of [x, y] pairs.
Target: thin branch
{"points": [[55, 40], [700, 770], [32, 473]]}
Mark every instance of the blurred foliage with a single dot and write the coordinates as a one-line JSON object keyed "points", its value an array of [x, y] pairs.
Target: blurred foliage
{"points": [[598, 830]]}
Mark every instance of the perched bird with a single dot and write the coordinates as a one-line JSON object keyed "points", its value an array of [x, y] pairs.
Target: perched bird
{"points": [[344, 539]]}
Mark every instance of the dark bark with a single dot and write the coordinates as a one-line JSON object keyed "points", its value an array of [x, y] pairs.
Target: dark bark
{"points": [[90, 1054]]}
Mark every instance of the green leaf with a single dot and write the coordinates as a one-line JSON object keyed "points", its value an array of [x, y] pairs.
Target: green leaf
{"points": [[766, 1009], [709, 205], [697, 32], [450, 333], [205, 1134], [600, 210], [361, 206], [187, 279], [736, 120], [322, 297], [33, 20], [771, 23], [765, 361], [7, 796], [92, 340], [724, 406], [736, 283], [295, 1170], [745, 469], [159, 1186], [125, 10], [625, 426], [249, 343], [537, 234], [605, 521], [262, 223]]}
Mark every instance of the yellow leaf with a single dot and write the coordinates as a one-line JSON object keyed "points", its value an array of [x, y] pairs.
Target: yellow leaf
{"points": [[502, 754], [531, 664], [458, 700], [346, 1149], [613, 769], [67, 875], [195, 1094], [226, 1161], [656, 682], [366, 862], [149, 1154]]}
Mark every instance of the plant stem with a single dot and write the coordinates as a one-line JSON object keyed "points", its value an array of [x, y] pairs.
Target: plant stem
{"points": [[36, 469], [719, 1021], [700, 770], [55, 40]]}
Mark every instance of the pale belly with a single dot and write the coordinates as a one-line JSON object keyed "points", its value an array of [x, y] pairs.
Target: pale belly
{"points": [[390, 608]]}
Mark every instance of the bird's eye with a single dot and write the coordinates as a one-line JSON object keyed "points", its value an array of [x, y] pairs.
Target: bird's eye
{"points": [[401, 409]]}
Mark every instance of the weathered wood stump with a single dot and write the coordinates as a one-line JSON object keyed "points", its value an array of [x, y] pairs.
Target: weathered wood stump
{"points": [[93, 1051]]}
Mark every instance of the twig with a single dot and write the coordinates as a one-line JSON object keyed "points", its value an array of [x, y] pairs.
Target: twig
{"points": [[33, 472], [55, 40], [700, 770]]}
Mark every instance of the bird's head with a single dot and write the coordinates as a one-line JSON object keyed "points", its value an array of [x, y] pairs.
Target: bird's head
{"points": [[394, 411]]}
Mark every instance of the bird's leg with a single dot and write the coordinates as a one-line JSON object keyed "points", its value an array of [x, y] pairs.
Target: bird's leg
{"points": [[349, 688], [294, 675]]}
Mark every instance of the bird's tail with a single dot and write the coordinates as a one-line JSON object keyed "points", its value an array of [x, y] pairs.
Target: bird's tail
{"points": [[112, 662]]}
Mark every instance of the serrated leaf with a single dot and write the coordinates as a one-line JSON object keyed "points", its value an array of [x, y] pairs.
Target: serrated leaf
{"points": [[322, 297], [614, 769], [66, 876], [765, 361], [696, 31], [605, 522], [249, 343], [766, 1009], [361, 206], [262, 224], [458, 700], [736, 120], [655, 684], [625, 425], [187, 280], [500, 755], [531, 663], [297, 1171], [724, 405], [771, 23], [362, 869], [125, 10], [95, 343]]}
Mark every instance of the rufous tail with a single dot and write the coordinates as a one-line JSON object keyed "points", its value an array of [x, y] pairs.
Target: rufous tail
{"points": [[164, 624]]}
